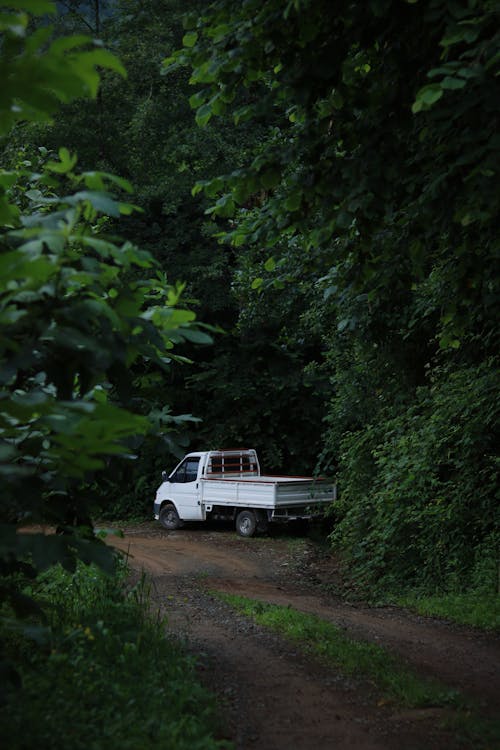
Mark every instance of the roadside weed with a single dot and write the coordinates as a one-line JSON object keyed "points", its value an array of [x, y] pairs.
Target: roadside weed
{"points": [[478, 610], [105, 676]]}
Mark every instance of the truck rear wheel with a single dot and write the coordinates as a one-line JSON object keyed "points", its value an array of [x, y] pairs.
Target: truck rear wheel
{"points": [[169, 518], [246, 523]]}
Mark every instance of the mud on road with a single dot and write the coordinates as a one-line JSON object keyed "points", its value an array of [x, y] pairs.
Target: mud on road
{"points": [[271, 695]]}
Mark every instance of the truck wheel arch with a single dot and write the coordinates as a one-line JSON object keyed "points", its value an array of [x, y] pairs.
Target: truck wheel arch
{"points": [[169, 517]]}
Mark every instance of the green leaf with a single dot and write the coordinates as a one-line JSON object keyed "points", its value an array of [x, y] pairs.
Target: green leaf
{"points": [[238, 239], [217, 105], [169, 64], [65, 43], [224, 207], [343, 324], [293, 200], [36, 7], [198, 187], [196, 336], [426, 97], [97, 180], [66, 163], [9, 213], [243, 114], [126, 209], [190, 39], [449, 341], [196, 100], [14, 24], [96, 552], [337, 100], [103, 59], [7, 179], [270, 264], [453, 83], [101, 202], [203, 115]]}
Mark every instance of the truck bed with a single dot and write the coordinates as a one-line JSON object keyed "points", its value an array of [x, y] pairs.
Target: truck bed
{"points": [[266, 492]]}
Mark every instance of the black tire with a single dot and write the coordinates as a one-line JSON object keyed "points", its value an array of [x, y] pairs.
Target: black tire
{"points": [[262, 523], [246, 523], [169, 518]]}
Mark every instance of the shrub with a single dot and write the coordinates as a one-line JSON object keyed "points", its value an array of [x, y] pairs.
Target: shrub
{"points": [[104, 674]]}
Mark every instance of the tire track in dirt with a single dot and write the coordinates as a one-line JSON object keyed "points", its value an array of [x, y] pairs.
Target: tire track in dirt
{"points": [[466, 660], [273, 697]]}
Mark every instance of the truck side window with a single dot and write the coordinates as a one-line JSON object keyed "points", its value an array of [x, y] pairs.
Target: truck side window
{"points": [[187, 471], [192, 469]]}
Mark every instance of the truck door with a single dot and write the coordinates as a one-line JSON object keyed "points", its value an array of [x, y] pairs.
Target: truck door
{"points": [[184, 489]]}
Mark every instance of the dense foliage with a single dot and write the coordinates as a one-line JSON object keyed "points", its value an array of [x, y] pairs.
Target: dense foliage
{"points": [[377, 187], [88, 320], [88, 327], [143, 128], [100, 672]]}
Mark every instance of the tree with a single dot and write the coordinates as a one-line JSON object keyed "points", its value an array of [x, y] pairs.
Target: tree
{"points": [[88, 320], [380, 165], [250, 388]]}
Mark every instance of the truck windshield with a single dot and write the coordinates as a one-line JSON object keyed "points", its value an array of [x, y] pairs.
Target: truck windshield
{"points": [[187, 471]]}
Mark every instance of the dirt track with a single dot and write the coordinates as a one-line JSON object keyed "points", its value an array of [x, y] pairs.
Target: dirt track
{"points": [[272, 697]]}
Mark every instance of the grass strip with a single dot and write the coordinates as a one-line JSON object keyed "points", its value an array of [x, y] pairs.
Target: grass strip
{"points": [[353, 658], [479, 610]]}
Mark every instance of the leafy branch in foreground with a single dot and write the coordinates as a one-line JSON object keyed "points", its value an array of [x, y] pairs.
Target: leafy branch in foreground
{"points": [[85, 317]]}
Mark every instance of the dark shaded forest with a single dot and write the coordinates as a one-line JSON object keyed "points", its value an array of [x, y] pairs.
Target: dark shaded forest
{"points": [[310, 267]]}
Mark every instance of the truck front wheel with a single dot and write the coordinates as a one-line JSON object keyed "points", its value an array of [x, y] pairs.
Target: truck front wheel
{"points": [[246, 523], [169, 518]]}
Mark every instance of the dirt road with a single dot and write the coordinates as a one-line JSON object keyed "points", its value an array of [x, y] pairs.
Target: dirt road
{"points": [[272, 697]]}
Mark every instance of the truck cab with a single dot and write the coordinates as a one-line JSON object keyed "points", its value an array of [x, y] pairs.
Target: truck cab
{"points": [[180, 489], [179, 497]]}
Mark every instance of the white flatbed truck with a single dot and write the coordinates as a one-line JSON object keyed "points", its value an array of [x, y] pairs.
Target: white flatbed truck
{"points": [[228, 485]]}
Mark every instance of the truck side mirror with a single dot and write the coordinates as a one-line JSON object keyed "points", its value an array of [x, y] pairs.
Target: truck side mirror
{"points": [[164, 476]]}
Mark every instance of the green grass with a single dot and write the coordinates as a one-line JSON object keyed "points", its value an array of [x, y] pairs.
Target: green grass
{"points": [[478, 610], [102, 674], [356, 658]]}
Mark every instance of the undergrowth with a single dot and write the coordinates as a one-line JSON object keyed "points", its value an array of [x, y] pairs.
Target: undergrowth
{"points": [[476, 609], [99, 673]]}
